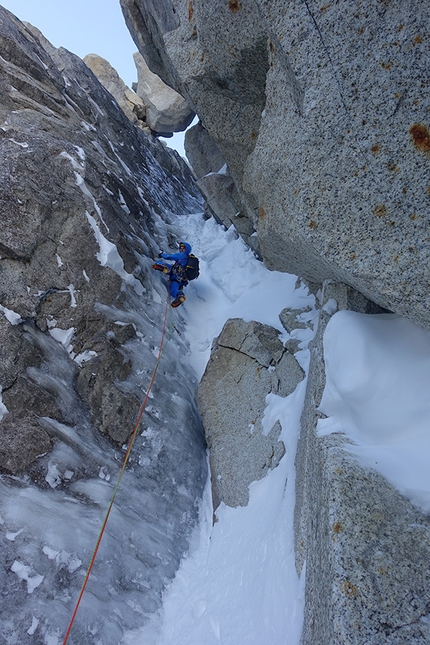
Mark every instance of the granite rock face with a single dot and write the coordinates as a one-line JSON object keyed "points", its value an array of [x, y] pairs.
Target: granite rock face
{"points": [[128, 100], [62, 195], [366, 547], [87, 199], [166, 110], [222, 199], [248, 362], [321, 113]]}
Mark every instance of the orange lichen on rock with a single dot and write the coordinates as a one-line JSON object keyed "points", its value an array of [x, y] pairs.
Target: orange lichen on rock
{"points": [[380, 210], [234, 5], [420, 137]]}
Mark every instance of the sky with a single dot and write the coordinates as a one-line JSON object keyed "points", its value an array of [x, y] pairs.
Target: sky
{"points": [[86, 27]]}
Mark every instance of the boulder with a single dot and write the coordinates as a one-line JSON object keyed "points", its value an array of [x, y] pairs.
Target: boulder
{"points": [[129, 101], [248, 361], [222, 199], [166, 110]]}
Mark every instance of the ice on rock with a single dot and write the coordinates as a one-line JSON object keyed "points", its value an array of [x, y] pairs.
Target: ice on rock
{"points": [[3, 408], [63, 336], [24, 572], [13, 536], [109, 256], [53, 515], [33, 626], [84, 356], [10, 315]]}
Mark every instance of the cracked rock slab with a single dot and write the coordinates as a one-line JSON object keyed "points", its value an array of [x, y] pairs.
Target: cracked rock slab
{"points": [[248, 362]]}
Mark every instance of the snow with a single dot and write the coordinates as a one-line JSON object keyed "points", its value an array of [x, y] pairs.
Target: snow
{"points": [[33, 626], [84, 356], [77, 165], [71, 289], [25, 573], [232, 284], [238, 583], [18, 143], [378, 377]]}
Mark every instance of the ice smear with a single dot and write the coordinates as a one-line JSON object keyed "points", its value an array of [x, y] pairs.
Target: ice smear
{"points": [[85, 356], [82, 185], [63, 336], [11, 316], [108, 256], [34, 625], [12, 536], [76, 165], [3, 408], [24, 573], [18, 143], [378, 380], [71, 289]]}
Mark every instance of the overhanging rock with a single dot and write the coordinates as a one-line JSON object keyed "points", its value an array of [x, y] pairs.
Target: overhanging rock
{"points": [[321, 114]]}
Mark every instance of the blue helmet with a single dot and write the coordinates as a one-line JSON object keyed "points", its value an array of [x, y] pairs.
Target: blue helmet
{"points": [[187, 247]]}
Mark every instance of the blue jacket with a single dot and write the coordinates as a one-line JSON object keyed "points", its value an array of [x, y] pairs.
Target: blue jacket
{"points": [[181, 257]]}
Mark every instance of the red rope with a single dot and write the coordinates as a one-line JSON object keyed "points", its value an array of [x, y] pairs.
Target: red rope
{"points": [[124, 463]]}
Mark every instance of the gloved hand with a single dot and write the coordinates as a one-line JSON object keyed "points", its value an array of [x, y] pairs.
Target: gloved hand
{"points": [[160, 254]]}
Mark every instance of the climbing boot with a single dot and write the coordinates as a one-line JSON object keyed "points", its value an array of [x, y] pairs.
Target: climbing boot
{"points": [[178, 300], [161, 267]]}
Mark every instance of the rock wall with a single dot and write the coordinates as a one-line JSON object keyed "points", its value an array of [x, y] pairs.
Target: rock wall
{"points": [[87, 199], [321, 113], [214, 180], [366, 547]]}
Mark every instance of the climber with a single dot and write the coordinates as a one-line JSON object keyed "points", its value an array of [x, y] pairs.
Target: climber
{"points": [[177, 271]]}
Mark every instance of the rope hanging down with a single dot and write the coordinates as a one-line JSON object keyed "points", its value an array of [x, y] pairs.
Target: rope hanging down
{"points": [[124, 463]]}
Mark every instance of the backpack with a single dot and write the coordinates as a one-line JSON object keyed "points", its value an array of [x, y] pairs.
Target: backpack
{"points": [[192, 268]]}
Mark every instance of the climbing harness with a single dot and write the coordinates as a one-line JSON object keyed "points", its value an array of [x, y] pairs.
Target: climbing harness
{"points": [[124, 463]]}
